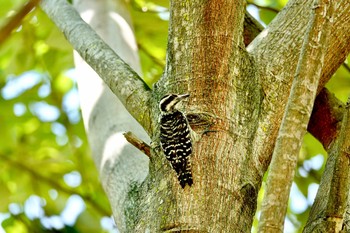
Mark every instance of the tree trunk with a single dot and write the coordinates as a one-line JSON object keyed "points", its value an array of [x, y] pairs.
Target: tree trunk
{"points": [[238, 97]]}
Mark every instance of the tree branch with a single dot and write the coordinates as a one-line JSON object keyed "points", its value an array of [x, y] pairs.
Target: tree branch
{"points": [[156, 60], [346, 66], [326, 117], [296, 117], [276, 50], [138, 143], [17, 19], [252, 28], [340, 183], [327, 111], [264, 7], [328, 211], [120, 78]]}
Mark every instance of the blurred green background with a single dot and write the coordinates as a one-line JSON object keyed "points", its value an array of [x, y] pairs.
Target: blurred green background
{"points": [[48, 179]]}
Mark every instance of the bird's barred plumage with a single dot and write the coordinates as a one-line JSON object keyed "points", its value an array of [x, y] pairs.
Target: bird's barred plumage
{"points": [[175, 137]]}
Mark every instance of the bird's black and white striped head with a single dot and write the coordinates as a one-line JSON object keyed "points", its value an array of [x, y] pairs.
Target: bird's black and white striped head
{"points": [[168, 102]]}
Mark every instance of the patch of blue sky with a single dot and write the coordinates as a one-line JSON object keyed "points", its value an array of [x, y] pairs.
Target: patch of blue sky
{"points": [[70, 102], [61, 133], [311, 193], [58, 129], [33, 207], [3, 216], [74, 207], [163, 14], [316, 162], [15, 208], [108, 224], [44, 111], [52, 222], [19, 109], [298, 203], [71, 105], [53, 194], [16, 85], [288, 226], [254, 11], [72, 74], [72, 179], [44, 90]]}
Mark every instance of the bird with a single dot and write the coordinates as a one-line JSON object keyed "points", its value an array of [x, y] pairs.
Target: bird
{"points": [[175, 137]]}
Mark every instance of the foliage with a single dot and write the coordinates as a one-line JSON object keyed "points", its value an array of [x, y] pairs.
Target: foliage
{"points": [[151, 40], [48, 177], [46, 165]]}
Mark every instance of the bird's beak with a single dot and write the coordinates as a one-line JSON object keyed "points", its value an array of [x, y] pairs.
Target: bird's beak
{"points": [[183, 96]]}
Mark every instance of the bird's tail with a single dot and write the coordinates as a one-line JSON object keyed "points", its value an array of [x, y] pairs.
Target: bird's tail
{"points": [[185, 175]]}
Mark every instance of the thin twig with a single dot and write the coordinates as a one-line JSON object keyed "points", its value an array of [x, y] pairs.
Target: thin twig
{"points": [[264, 7], [55, 184], [155, 59], [148, 8], [138, 143], [346, 66], [17, 19]]}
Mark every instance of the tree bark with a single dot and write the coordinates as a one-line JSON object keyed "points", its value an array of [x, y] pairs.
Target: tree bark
{"points": [[296, 117], [331, 203], [326, 118], [238, 97], [276, 52]]}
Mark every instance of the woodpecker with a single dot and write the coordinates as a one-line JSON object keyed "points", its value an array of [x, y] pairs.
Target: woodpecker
{"points": [[175, 137]]}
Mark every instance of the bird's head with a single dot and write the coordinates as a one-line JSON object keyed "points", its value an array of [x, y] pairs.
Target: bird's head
{"points": [[168, 102]]}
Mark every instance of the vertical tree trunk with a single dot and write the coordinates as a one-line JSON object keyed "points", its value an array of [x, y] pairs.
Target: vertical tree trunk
{"points": [[206, 58]]}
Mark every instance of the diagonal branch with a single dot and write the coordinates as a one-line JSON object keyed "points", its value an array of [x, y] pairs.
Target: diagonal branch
{"points": [[296, 117], [138, 143], [123, 81], [17, 19], [328, 211], [340, 183], [327, 111], [274, 10], [276, 51]]}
